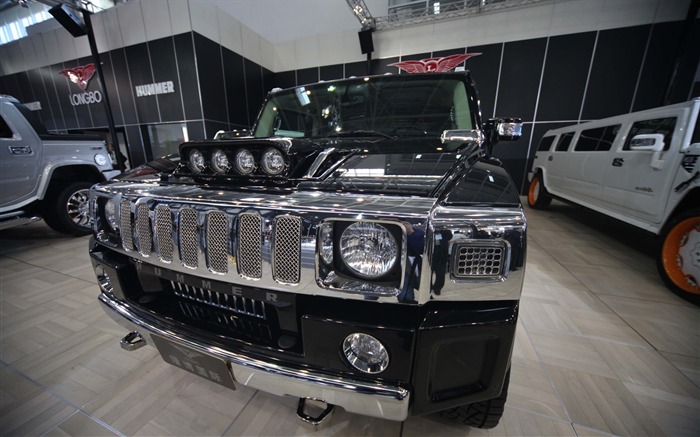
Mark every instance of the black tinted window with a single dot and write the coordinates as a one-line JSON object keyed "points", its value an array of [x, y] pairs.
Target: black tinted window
{"points": [[545, 144], [597, 140], [564, 142], [696, 132], [5, 131], [664, 126]]}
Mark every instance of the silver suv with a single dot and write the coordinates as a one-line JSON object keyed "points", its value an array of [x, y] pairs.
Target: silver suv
{"points": [[46, 175]]}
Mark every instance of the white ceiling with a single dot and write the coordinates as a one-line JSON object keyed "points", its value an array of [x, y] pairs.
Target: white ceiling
{"points": [[280, 21]]}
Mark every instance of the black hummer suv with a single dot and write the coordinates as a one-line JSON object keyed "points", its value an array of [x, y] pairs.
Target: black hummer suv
{"points": [[360, 248]]}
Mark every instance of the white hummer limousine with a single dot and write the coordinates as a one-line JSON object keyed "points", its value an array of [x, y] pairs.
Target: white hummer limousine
{"points": [[641, 168]]}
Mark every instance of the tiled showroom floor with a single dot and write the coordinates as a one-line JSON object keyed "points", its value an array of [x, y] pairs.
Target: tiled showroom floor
{"points": [[602, 348]]}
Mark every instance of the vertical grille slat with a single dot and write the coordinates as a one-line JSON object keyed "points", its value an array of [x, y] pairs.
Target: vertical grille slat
{"points": [[189, 238], [164, 233], [250, 245], [286, 251], [125, 222], [143, 229], [217, 241]]}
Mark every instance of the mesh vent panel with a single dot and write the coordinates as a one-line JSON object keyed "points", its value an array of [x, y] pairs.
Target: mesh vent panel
{"points": [[189, 238], [217, 239], [143, 229], [479, 261], [127, 231], [164, 233], [250, 245], [287, 249]]}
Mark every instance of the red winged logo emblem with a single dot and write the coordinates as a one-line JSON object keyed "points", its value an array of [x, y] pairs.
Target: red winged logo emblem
{"points": [[80, 75], [433, 65]]}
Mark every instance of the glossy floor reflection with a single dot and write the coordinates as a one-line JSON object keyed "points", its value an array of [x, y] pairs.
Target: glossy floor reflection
{"points": [[603, 348]]}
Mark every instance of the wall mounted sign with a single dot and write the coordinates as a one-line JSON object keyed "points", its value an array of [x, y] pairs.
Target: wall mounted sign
{"points": [[80, 76], [153, 89], [433, 65]]}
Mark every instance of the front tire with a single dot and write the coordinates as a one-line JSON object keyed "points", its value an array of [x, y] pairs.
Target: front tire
{"points": [[67, 210], [537, 195], [678, 260], [483, 414]]}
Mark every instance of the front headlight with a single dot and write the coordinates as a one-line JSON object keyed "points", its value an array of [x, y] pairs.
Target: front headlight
{"points": [[101, 159], [273, 162], [245, 162], [220, 162], [111, 214], [369, 250], [196, 161]]}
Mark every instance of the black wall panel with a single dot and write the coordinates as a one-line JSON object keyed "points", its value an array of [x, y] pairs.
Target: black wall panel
{"points": [[565, 74], [212, 127], [111, 88], [356, 69], [97, 111], [124, 85], [10, 86], [136, 150], [141, 74], [520, 78], [330, 72], [37, 84], [254, 88], [286, 79], [64, 89], [616, 63], [211, 78], [56, 109], [25, 86], [163, 55], [268, 78], [381, 66], [307, 75], [195, 130], [689, 60], [187, 67], [443, 53], [658, 64], [235, 88], [513, 155], [485, 69]]}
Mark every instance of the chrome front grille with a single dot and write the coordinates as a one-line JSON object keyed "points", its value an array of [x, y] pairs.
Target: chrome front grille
{"points": [[286, 253], [214, 240], [217, 239], [237, 304], [189, 238], [143, 229], [250, 245]]}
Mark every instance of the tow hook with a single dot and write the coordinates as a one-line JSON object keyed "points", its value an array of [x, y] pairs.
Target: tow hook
{"points": [[315, 421], [132, 341]]}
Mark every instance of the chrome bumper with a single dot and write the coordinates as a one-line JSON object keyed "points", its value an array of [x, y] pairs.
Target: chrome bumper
{"points": [[377, 400]]}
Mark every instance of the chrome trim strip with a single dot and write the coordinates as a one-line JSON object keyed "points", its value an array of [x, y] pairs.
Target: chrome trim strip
{"points": [[369, 399]]}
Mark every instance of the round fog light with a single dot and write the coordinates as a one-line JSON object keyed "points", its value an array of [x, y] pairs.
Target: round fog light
{"points": [[365, 353]]}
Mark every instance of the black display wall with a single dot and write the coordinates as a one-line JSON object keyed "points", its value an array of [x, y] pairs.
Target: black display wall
{"points": [[548, 82], [213, 88], [557, 81]]}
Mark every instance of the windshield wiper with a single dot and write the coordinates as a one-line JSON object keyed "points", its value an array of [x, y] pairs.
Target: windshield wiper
{"points": [[360, 133]]}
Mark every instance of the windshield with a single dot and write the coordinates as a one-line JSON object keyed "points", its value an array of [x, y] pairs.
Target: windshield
{"points": [[365, 107]]}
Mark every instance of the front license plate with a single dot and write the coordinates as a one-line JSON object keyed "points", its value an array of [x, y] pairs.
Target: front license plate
{"points": [[209, 367]]}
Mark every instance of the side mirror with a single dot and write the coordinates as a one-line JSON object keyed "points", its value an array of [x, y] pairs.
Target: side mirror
{"points": [[652, 143], [458, 138]]}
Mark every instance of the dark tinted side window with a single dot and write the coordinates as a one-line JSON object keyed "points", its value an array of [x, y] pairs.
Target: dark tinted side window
{"points": [[5, 131], [564, 142], [545, 144], [664, 126], [597, 140]]}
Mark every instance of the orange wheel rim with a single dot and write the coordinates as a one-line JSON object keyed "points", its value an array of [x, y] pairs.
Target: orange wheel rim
{"points": [[681, 255], [534, 188]]}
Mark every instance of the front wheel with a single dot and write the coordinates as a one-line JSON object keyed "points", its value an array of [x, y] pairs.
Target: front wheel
{"points": [[537, 195], [484, 414], [67, 210], [679, 255]]}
